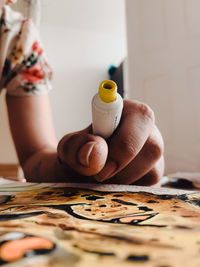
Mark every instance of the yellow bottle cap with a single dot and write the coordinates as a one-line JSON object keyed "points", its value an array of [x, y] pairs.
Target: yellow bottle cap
{"points": [[108, 91]]}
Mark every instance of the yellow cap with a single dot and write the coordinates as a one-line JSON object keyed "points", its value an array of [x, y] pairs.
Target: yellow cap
{"points": [[108, 91]]}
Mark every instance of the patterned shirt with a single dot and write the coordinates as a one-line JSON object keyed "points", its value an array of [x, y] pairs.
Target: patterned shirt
{"points": [[23, 66]]}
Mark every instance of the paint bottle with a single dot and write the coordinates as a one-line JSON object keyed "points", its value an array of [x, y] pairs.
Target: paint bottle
{"points": [[107, 107]]}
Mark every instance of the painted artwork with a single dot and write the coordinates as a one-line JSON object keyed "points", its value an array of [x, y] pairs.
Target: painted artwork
{"points": [[66, 225]]}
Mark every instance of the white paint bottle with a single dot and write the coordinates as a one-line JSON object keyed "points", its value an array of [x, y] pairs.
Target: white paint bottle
{"points": [[107, 107]]}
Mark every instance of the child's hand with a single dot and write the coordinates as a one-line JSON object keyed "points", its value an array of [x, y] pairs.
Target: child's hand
{"points": [[133, 153]]}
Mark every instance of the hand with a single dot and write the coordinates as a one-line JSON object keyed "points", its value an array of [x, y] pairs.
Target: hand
{"points": [[133, 154]]}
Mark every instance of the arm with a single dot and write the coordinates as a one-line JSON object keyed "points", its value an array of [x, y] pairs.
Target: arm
{"points": [[36, 144], [33, 133]]}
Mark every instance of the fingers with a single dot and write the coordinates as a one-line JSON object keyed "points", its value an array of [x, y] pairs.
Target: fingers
{"points": [[83, 152], [154, 175], [124, 145], [144, 161], [133, 154]]}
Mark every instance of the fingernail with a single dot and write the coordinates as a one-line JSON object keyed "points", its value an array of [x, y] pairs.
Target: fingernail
{"points": [[107, 171], [85, 152]]}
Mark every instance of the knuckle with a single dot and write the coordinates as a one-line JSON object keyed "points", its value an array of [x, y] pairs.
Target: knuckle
{"points": [[60, 146], [146, 111], [154, 149], [154, 176], [142, 109], [157, 172]]}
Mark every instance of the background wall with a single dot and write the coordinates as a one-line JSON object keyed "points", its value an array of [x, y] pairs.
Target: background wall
{"points": [[164, 71], [82, 38]]}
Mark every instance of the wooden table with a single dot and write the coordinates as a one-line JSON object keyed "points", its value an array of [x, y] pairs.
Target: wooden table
{"points": [[10, 170]]}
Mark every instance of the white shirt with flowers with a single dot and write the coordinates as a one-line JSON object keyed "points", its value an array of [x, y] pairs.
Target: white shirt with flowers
{"points": [[23, 66]]}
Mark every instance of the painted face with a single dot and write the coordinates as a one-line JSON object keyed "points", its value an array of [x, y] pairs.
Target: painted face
{"points": [[117, 208], [119, 227]]}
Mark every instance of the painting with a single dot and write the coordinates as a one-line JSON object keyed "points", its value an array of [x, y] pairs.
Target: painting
{"points": [[70, 225]]}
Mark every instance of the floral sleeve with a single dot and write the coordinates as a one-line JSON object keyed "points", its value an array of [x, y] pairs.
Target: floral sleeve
{"points": [[26, 71]]}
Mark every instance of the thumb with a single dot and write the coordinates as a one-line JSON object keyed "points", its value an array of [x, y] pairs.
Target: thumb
{"points": [[83, 152]]}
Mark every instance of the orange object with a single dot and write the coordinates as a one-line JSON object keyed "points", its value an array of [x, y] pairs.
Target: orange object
{"points": [[15, 249]]}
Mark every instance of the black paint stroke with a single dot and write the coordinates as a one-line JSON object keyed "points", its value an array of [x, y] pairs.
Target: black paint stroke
{"points": [[145, 208], [138, 258], [120, 201], [15, 216]]}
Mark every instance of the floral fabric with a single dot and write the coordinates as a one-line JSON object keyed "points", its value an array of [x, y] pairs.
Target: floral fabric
{"points": [[23, 66]]}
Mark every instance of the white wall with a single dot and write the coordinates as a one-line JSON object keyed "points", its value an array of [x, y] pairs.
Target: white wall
{"points": [[82, 38], [164, 71]]}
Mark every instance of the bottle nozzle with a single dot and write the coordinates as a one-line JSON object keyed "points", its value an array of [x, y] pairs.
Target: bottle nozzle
{"points": [[108, 91]]}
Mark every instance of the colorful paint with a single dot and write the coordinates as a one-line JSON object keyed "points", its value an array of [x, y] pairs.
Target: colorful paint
{"points": [[65, 226]]}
